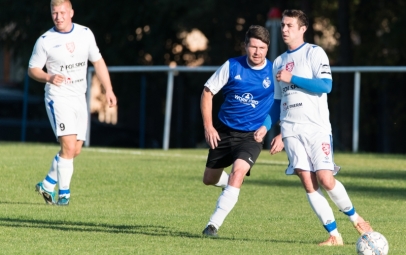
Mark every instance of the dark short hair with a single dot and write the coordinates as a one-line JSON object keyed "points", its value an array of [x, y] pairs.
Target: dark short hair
{"points": [[302, 19], [257, 32]]}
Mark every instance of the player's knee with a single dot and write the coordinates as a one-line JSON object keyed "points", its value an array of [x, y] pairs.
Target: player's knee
{"points": [[327, 183], [305, 177], [77, 152], [68, 151], [208, 180], [211, 177], [237, 176]]}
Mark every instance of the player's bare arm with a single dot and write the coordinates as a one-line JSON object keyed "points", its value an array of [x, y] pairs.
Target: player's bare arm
{"points": [[276, 145], [260, 133], [103, 75], [206, 105], [39, 75], [284, 75]]}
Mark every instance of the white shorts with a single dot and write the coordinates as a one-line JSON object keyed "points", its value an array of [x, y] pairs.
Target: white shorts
{"points": [[310, 152], [67, 115]]}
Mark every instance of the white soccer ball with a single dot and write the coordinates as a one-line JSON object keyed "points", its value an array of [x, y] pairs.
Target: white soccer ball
{"points": [[372, 243]]}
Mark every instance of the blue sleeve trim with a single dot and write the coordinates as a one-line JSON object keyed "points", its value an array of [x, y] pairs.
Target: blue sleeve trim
{"points": [[313, 85], [273, 115], [267, 122]]}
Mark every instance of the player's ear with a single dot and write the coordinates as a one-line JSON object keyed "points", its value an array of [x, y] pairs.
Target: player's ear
{"points": [[71, 13]]}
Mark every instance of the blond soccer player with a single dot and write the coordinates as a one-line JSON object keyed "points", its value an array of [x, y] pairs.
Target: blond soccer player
{"points": [[65, 50]]}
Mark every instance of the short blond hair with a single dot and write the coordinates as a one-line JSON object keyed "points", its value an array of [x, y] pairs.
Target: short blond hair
{"points": [[59, 2]]}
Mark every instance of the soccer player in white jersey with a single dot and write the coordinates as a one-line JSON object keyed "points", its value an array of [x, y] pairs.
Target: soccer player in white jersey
{"points": [[248, 111], [65, 50], [303, 79]]}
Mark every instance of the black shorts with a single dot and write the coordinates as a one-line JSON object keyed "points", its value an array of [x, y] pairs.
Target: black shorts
{"points": [[234, 145]]}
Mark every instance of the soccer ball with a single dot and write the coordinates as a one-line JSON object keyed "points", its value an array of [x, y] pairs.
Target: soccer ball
{"points": [[372, 243]]}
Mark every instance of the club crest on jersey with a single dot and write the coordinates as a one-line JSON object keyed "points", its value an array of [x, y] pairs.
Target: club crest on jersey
{"points": [[326, 148], [71, 47], [266, 83], [289, 66]]}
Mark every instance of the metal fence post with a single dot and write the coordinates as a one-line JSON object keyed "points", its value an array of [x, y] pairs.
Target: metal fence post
{"points": [[355, 125], [25, 108], [168, 110], [88, 94]]}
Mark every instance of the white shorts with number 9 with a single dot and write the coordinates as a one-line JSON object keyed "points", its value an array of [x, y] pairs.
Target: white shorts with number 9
{"points": [[67, 115], [310, 152]]}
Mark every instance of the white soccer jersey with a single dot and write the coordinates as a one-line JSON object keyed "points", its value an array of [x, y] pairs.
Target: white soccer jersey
{"points": [[303, 111], [66, 54]]}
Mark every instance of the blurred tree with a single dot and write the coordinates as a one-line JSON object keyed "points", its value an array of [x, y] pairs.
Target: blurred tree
{"points": [[345, 88], [154, 32]]}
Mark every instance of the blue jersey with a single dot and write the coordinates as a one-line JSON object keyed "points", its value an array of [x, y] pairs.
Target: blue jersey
{"points": [[248, 93]]}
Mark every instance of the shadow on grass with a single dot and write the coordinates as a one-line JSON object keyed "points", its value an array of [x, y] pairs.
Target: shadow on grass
{"points": [[94, 227], [17, 203], [382, 174], [388, 192], [149, 230]]}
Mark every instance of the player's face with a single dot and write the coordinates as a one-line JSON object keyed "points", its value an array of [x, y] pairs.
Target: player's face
{"points": [[292, 34], [256, 52], [62, 17]]}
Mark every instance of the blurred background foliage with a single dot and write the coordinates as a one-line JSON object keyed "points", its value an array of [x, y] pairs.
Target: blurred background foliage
{"points": [[154, 32]]}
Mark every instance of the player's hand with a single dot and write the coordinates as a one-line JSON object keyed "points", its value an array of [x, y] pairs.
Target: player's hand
{"points": [[276, 145], [260, 134], [57, 79], [284, 75], [111, 98], [212, 137]]}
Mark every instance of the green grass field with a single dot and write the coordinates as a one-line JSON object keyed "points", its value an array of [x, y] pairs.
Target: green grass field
{"points": [[131, 201]]}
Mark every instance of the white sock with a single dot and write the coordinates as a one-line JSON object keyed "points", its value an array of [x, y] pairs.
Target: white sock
{"points": [[225, 204], [52, 178], [340, 197], [323, 211], [65, 172], [223, 180]]}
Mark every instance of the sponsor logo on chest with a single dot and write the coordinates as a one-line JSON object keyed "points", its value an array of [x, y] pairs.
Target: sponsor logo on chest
{"points": [[247, 99]]}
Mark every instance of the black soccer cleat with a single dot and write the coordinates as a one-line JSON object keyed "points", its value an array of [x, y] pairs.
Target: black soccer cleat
{"points": [[210, 231]]}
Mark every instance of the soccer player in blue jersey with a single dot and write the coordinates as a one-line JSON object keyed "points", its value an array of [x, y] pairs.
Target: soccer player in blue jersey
{"points": [[65, 50], [247, 113], [302, 81]]}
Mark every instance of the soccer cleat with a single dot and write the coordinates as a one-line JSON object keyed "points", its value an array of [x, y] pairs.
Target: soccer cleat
{"points": [[362, 226], [63, 201], [210, 231], [333, 241], [48, 196]]}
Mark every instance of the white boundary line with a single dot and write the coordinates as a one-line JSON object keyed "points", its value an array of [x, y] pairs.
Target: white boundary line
{"points": [[160, 154]]}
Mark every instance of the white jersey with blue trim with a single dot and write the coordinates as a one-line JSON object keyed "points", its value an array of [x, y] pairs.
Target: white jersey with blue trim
{"points": [[301, 110], [66, 54], [248, 93]]}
